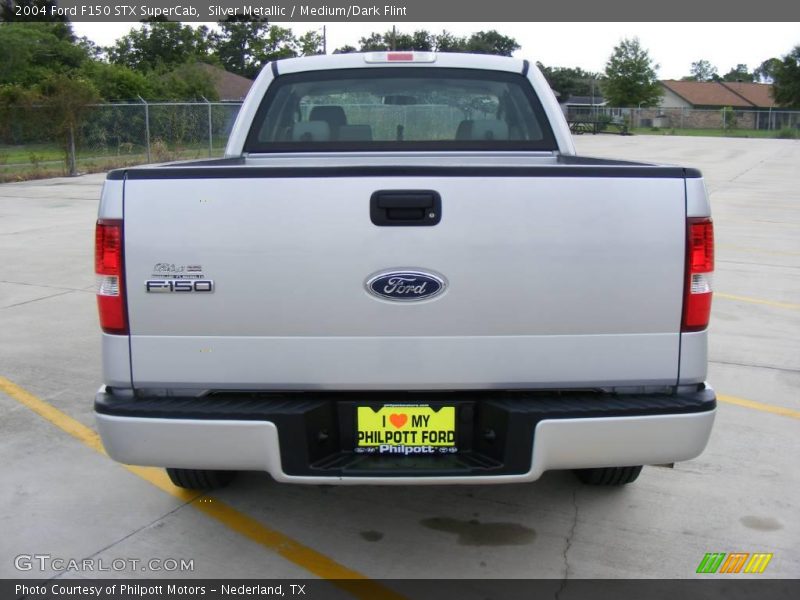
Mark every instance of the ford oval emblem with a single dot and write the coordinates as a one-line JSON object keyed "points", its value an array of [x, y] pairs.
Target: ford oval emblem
{"points": [[405, 286]]}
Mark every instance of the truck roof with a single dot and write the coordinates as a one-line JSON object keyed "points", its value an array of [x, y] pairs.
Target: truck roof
{"points": [[400, 59]]}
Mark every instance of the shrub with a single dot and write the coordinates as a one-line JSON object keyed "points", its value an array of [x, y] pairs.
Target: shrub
{"points": [[728, 118], [35, 160], [161, 152]]}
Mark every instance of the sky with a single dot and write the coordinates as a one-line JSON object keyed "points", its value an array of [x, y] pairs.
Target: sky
{"points": [[674, 46]]}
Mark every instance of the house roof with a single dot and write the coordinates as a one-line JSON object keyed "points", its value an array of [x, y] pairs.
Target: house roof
{"points": [[229, 86], [758, 94], [596, 100], [705, 93], [713, 93]]}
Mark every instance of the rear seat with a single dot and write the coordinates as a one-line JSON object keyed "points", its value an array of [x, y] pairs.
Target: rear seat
{"points": [[482, 129], [311, 131], [355, 133]]}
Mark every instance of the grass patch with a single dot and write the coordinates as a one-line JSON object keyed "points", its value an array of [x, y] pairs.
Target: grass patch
{"points": [[24, 163], [22, 154], [738, 133]]}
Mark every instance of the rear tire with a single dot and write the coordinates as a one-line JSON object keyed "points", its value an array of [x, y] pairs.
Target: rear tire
{"points": [[608, 475], [200, 479]]}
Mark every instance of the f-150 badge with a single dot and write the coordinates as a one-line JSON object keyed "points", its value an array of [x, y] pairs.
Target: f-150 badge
{"points": [[405, 286], [179, 285]]}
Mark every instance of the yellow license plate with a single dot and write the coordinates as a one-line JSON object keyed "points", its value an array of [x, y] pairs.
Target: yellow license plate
{"points": [[406, 425]]}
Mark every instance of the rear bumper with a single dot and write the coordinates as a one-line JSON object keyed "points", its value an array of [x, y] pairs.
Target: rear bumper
{"points": [[503, 437]]}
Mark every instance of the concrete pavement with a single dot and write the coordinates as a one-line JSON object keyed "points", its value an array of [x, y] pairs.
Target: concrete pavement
{"points": [[63, 498]]}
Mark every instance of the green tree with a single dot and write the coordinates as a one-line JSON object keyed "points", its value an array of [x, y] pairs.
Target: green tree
{"points": [[67, 100], [279, 43], [61, 25], [117, 82], [786, 84], [244, 46], [32, 51], [491, 42], [739, 73], [421, 40], [91, 49], [482, 42], [239, 45], [765, 72], [448, 42], [346, 49], [631, 76], [569, 81], [310, 43], [374, 42], [160, 46], [16, 115], [702, 70], [189, 81]]}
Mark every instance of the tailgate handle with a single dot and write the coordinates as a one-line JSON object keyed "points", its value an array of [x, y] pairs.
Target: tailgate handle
{"points": [[405, 208]]}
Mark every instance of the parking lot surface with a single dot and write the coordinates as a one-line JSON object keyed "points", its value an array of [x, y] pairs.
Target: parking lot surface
{"points": [[62, 497]]}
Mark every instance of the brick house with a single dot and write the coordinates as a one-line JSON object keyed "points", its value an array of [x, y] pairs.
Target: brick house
{"points": [[699, 104], [230, 86]]}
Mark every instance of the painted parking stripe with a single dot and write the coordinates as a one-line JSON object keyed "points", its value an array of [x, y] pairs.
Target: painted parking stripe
{"points": [[295, 552], [788, 305], [751, 250], [770, 408]]}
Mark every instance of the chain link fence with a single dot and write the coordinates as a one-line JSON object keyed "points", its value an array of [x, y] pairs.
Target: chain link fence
{"points": [[118, 135], [112, 135], [726, 121], [726, 118]]}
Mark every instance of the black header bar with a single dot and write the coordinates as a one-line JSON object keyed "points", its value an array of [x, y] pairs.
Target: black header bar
{"points": [[441, 11]]}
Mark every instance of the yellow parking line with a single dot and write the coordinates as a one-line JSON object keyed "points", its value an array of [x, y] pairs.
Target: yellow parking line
{"points": [[763, 221], [788, 305], [287, 547], [756, 250], [770, 408]]}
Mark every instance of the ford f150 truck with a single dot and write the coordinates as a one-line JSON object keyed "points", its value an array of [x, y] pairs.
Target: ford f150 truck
{"points": [[401, 273]]}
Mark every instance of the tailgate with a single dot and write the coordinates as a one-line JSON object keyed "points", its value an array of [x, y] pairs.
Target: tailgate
{"points": [[550, 282]]}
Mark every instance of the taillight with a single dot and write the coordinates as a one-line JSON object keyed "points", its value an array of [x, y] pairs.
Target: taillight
{"points": [[108, 270], [699, 270]]}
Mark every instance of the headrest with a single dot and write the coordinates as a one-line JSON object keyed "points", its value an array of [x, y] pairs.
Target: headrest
{"points": [[311, 131], [489, 129], [332, 115]]}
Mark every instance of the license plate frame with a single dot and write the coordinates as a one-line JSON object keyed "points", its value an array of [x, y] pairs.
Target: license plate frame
{"points": [[408, 429]]}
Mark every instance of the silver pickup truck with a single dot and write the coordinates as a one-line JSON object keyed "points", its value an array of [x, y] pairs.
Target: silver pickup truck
{"points": [[401, 273]]}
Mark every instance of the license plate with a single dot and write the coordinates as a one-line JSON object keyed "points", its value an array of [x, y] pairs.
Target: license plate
{"points": [[406, 429]]}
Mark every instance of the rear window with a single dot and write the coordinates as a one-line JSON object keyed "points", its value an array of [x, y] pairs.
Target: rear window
{"points": [[403, 108]]}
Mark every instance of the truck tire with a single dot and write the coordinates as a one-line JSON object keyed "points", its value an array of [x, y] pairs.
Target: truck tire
{"points": [[200, 479], [608, 475]]}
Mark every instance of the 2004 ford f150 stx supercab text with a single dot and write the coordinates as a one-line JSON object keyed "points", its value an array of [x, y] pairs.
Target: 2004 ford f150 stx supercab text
{"points": [[401, 273]]}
